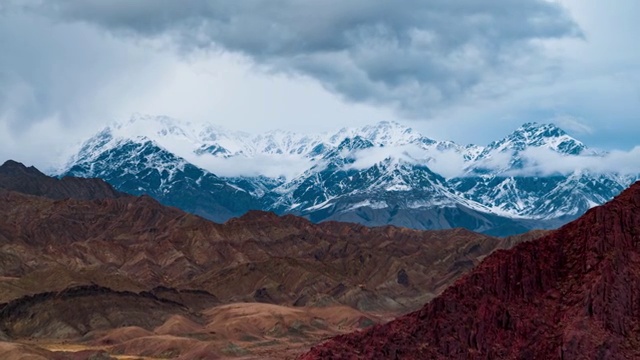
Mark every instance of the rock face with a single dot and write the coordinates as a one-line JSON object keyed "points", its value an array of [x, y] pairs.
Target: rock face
{"points": [[573, 294]]}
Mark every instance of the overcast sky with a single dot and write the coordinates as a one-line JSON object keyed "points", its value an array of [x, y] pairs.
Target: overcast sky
{"points": [[466, 70]]}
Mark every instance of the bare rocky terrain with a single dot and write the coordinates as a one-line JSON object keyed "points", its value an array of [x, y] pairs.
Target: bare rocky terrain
{"points": [[127, 276]]}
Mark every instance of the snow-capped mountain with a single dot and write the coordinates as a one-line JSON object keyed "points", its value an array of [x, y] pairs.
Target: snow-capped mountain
{"points": [[509, 177], [515, 146], [379, 174], [138, 165]]}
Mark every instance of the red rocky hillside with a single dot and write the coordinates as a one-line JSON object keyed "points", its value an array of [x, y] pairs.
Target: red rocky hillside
{"points": [[574, 294]]}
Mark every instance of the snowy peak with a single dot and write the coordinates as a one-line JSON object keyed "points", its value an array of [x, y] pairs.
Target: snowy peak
{"points": [[155, 128], [353, 144], [387, 133], [384, 133], [512, 152], [280, 142], [185, 137], [538, 135], [290, 154], [175, 136]]}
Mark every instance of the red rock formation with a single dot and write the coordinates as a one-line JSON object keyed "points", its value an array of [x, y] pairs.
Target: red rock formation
{"points": [[573, 294]]}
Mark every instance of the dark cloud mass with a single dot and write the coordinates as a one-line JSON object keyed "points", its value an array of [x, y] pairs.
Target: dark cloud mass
{"points": [[414, 54]]}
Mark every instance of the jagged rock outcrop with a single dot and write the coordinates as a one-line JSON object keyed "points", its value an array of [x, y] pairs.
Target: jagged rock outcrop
{"points": [[573, 294]]}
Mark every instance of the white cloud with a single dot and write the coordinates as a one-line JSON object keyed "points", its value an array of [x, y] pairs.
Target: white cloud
{"points": [[572, 124], [537, 161], [72, 76], [496, 163], [69, 71], [447, 163], [541, 161], [73, 79], [39, 147], [273, 166], [366, 158]]}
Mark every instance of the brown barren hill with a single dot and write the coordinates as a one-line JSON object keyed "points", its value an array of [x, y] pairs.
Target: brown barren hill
{"points": [[128, 275], [574, 294], [136, 244], [15, 176]]}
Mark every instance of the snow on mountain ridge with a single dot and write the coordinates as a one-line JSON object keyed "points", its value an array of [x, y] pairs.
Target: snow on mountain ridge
{"points": [[536, 135], [197, 142], [384, 133], [369, 174], [522, 150], [283, 153]]}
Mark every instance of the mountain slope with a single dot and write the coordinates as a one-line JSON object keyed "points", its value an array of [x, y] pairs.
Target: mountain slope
{"points": [[570, 295], [136, 243], [393, 193]]}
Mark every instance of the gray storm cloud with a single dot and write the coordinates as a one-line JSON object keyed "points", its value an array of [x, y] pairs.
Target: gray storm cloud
{"points": [[413, 55]]}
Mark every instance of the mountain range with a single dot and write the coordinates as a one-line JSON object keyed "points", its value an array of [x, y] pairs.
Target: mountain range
{"points": [[83, 266], [87, 272], [375, 175]]}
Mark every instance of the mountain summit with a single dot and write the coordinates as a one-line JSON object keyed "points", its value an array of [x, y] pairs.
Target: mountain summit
{"points": [[379, 174], [538, 135]]}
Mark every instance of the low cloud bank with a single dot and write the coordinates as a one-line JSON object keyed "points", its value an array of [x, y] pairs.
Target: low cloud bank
{"points": [[273, 166], [547, 162], [536, 161]]}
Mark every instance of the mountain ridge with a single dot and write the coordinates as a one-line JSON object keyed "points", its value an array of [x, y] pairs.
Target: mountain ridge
{"points": [[331, 176], [16, 176]]}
